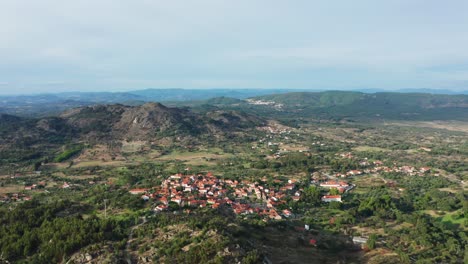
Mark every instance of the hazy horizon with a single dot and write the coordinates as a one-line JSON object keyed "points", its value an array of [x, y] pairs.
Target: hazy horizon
{"points": [[365, 90], [53, 46]]}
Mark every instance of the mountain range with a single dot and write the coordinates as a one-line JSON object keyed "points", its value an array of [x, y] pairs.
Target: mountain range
{"points": [[341, 105], [52, 104]]}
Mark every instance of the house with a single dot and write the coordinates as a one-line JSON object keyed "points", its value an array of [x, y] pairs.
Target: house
{"points": [[176, 176], [164, 200], [331, 198], [424, 169], [333, 184], [296, 198], [287, 213], [359, 240], [355, 172], [177, 200], [138, 191], [161, 208], [274, 215]]}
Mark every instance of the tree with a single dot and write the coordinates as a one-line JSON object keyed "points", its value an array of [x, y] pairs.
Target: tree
{"points": [[173, 206], [334, 191], [311, 195], [371, 241]]}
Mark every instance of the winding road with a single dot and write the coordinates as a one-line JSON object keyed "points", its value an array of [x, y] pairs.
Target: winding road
{"points": [[128, 257]]}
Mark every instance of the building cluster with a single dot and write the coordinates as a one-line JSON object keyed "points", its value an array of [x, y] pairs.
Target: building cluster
{"points": [[341, 186], [349, 173], [378, 166], [277, 106], [34, 186], [14, 197], [409, 170], [244, 197]]}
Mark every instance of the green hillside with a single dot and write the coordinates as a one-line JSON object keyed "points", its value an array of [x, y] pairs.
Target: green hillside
{"points": [[400, 106]]}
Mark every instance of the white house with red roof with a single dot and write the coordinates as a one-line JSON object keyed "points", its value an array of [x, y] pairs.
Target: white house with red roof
{"points": [[331, 198]]}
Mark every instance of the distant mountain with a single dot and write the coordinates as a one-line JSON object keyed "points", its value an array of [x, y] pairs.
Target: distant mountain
{"points": [[431, 91], [347, 105], [37, 105], [100, 97], [162, 95], [404, 90], [339, 104], [52, 104]]}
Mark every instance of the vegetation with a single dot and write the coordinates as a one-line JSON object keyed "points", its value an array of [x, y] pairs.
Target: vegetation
{"points": [[68, 153], [42, 233], [65, 181]]}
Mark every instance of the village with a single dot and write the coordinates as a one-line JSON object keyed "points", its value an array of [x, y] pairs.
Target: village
{"points": [[244, 197]]}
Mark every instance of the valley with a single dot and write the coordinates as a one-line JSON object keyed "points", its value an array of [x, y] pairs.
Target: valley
{"points": [[221, 185]]}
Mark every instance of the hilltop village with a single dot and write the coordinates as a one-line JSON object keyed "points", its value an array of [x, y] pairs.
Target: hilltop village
{"points": [[269, 201], [244, 196]]}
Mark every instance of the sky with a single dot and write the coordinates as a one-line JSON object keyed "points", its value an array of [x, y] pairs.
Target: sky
{"points": [[120, 45]]}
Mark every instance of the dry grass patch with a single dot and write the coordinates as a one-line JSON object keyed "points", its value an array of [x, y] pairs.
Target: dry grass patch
{"points": [[448, 125], [195, 158], [95, 163], [11, 189], [370, 149]]}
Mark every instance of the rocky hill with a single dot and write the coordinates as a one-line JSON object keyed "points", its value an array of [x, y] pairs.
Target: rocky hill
{"points": [[154, 120], [28, 138]]}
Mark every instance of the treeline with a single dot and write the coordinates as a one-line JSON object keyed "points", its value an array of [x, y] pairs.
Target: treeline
{"points": [[68, 153], [421, 238], [428, 241], [203, 234], [35, 233]]}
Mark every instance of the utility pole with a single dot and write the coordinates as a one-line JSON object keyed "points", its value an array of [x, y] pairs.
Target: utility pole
{"points": [[105, 208]]}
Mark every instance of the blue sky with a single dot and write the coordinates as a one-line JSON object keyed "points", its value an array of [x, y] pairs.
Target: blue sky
{"points": [[117, 45]]}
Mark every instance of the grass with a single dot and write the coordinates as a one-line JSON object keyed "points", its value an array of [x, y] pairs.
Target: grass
{"points": [[450, 218], [11, 189], [364, 183], [196, 158], [95, 163], [450, 190], [133, 146], [370, 149], [451, 125]]}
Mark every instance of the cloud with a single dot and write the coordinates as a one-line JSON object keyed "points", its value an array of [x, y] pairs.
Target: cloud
{"points": [[91, 44]]}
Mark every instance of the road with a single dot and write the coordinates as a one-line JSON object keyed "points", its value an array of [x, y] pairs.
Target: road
{"points": [[128, 257]]}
